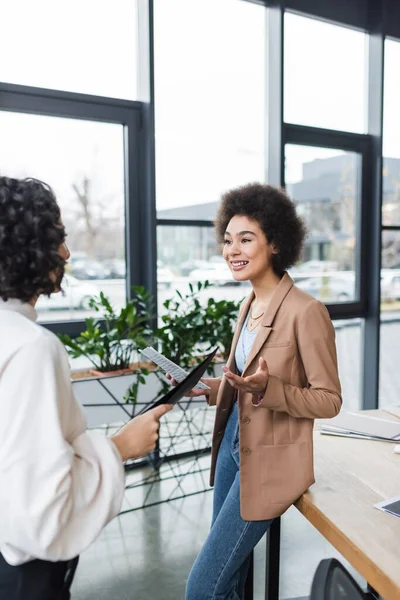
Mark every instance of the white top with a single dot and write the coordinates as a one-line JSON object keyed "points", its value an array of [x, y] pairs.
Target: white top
{"points": [[59, 485], [244, 345]]}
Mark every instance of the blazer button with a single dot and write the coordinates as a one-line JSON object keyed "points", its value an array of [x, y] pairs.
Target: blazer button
{"points": [[246, 450], [246, 420]]}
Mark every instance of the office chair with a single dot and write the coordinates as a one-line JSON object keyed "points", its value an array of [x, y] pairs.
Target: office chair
{"points": [[333, 582]]}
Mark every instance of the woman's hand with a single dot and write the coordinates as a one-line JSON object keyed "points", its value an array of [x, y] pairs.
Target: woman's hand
{"points": [[194, 392], [139, 436], [255, 384]]}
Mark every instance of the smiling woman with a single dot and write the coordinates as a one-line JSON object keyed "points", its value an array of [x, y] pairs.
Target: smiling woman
{"points": [[274, 221], [281, 374]]}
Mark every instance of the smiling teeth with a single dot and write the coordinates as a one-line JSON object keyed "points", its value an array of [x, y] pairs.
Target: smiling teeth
{"points": [[239, 264]]}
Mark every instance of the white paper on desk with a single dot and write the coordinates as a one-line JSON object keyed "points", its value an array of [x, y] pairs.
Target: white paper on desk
{"points": [[363, 424], [351, 434], [391, 506]]}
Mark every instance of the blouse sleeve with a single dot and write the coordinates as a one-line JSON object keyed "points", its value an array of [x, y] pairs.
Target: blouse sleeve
{"points": [[56, 495]]}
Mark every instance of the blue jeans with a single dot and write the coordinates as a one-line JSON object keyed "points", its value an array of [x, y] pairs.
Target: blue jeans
{"points": [[220, 570]]}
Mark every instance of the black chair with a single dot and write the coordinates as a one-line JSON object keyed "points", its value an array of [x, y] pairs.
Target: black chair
{"points": [[333, 582]]}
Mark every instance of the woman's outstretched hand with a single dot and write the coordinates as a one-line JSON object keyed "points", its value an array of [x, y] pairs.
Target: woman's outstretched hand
{"points": [[255, 384]]}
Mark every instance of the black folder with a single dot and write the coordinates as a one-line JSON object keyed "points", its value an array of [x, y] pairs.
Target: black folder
{"points": [[179, 391]]}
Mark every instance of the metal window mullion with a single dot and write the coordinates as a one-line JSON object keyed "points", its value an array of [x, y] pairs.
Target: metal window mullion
{"points": [[372, 231], [145, 242], [303, 135], [65, 105], [184, 223], [275, 94], [351, 13]]}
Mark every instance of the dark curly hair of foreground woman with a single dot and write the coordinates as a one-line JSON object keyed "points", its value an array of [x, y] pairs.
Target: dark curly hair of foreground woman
{"points": [[274, 212], [30, 236]]}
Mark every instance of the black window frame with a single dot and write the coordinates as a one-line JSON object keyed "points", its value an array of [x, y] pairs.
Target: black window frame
{"points": [[375, 17], [129, 114]]}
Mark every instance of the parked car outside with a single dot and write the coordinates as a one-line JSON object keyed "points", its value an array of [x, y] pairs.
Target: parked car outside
{"points": [[217, 273], [390, 284], [165, 277], [75, 294], [89, 269], [316, 266], [330, 288], [115, 268]]}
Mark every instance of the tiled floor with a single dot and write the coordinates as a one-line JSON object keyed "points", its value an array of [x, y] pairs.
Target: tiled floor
{"points": [[147, 554]]}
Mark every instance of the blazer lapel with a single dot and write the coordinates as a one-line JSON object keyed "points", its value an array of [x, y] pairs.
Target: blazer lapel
{"points": [[277, 298]]}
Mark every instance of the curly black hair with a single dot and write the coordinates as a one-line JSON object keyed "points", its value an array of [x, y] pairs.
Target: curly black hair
{"points": [[30, 236], [274, 212]]}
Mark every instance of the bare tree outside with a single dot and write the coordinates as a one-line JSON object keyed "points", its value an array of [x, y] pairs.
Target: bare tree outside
{"points": [[90, 214]]}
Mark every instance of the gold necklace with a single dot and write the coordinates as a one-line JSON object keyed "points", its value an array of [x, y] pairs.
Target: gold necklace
{"points": [[253, 326], [255, 318]]}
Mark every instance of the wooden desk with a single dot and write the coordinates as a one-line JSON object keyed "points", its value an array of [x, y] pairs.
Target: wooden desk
{"points": [[351, 476]]}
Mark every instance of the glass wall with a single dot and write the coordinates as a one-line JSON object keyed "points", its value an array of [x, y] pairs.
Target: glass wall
{"points": [[325, 184], [349, 338], [87, 47], [389, 388], [210, 75], [210, 84], [83, 161], [391, 137], [325, 75]]}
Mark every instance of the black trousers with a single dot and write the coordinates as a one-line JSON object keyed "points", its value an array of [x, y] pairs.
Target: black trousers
{"points": [[36, 580]]}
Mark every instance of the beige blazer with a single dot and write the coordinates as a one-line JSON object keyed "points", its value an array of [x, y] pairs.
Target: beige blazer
{"points": [[297, 340]]}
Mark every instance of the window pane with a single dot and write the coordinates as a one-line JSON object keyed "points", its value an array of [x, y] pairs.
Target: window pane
{"points": [[191, 254], [324, 183], [349, 336], [389, 376], [83, 161], [324, 75], [391, 136], [210, 102], [88, 47]]}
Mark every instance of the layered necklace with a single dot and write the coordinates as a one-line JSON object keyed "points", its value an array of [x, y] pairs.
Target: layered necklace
{"points": [[255, 321]]}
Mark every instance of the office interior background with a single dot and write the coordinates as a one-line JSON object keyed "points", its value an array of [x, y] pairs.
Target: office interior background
{"points": [[140, 114]]}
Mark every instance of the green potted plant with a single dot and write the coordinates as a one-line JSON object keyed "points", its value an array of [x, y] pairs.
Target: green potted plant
{"points": [[191, 329], [112, 340]]}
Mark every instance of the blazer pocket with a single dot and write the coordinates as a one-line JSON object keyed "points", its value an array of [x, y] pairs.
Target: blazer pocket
{"points": [[276, 344], [287, 472]]}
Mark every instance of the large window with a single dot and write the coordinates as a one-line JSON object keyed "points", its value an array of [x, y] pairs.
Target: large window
{"points": [[210, 75], [88, 46], [324, 74], [349, 339], [325, 184], [389, 388], [83, 161], [188, 254], [391, 136]]}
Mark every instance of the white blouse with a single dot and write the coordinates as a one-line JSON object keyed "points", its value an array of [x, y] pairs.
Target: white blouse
{"points": [[59, 484]]}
